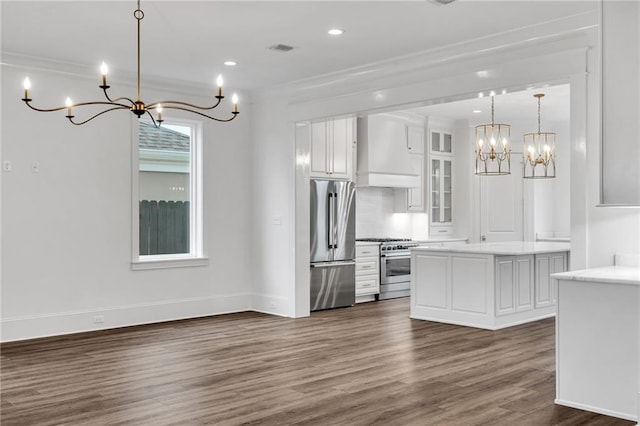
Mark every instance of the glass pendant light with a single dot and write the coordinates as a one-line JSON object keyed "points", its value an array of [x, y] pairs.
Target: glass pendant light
{"points": [[539, 152], [492, 148]]}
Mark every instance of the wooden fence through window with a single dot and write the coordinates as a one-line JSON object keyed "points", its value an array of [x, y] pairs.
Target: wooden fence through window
{"points": [[164, 227]]}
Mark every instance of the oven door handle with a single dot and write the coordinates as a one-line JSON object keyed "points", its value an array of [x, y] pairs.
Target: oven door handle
{"points": [[396, 256]]}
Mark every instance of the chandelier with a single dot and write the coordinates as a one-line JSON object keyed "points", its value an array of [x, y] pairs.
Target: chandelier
{"points": [[138, 107], [493, 155], [539, 150]]}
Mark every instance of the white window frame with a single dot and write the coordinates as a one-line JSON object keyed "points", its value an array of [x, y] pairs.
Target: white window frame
{"points": [[197, 255]]}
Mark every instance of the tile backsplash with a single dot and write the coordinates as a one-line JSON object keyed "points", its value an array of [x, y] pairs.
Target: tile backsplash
{"points": [[375, 216]]}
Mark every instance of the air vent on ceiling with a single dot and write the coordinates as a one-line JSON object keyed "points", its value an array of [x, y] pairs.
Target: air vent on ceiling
{"points": [[281, 47]]}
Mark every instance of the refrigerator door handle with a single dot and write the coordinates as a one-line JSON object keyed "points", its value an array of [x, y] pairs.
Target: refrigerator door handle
{"points": [[330, 218], [335, 221], [331, 264]]}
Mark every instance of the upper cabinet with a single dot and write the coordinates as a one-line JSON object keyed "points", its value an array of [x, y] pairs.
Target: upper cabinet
{"points": [[415, 139], [441, 142], [332, 145], [620, 110], [412, 199], [384, 154], [440, 177]]}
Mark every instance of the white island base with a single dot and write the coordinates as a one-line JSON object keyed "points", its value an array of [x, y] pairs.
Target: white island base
{"points": [[490, 286]]}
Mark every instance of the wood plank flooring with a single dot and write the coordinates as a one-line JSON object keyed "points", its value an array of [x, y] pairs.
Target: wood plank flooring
{"points": [[366, 365]]}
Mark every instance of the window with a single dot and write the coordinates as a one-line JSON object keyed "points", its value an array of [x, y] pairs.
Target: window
{"points": [[167, 195]]}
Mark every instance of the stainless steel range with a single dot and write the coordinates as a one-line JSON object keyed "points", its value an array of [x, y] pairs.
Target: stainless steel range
{"points": [[395, 266]]}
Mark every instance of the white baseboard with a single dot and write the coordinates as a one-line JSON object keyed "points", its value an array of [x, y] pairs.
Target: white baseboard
{"points": [[272, 305], [597, 410], [34, 326]]}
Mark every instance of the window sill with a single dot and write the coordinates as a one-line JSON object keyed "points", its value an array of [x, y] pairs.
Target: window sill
{"points": [[164, 262]]}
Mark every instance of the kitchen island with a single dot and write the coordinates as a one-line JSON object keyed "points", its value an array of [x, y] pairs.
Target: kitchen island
{"points": [[490, 286]]}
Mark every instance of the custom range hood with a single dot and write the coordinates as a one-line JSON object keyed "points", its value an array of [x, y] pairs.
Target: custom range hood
{"points": [[384, 154]]}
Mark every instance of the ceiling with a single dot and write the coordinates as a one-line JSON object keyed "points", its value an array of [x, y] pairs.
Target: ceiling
{"points": [[516, 106], [187, 41]]}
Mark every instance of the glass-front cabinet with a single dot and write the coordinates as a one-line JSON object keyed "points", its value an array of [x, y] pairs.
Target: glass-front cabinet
{"points": [[440, 177], [441, 191]]}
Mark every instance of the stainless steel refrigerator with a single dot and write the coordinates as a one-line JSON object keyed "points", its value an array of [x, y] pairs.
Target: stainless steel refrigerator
{"points": [[333, 244]]}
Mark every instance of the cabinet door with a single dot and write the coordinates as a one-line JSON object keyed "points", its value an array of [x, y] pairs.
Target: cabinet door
{"points": [[435, 180], [319, 150], [341, 152], [415, 196], [543, 289], [441, 193], [558, 264], [415, 139], [505, 285], [524, 280], [441, 142], [447, 189]]}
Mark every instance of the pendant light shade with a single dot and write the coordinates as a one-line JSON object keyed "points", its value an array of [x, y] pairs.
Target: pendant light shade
{"points": [[539, 152], [493, 148]]}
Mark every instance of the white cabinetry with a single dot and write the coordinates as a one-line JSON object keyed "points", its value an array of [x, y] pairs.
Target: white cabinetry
{"points": [[441, 195], [367, 269], [466, 285], [441, 142], [412, 199], [332, 145], [415, 139], [514, 284], [547, 287]]}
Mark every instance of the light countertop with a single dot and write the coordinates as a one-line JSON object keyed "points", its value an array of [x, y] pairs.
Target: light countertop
{"points": [[507, 248], [440, 240], [607, 274]]}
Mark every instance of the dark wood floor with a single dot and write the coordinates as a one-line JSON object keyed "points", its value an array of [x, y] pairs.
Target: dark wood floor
{"points": [[365, 365]]}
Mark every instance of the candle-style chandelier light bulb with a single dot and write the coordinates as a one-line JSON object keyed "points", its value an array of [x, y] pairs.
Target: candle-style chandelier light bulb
{"points": [[493, 158], [540, 148], [138, 107]]}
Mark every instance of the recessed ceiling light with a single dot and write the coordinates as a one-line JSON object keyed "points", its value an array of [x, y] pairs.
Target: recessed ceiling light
{"points": [[335, 31], [230, 63], [476, 111]]}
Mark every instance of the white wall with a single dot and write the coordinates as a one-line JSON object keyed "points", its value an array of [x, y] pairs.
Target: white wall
{"points": [[66, 230], [273, 254]]}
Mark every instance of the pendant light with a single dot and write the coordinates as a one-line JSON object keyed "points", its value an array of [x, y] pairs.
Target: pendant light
{"points": [[492, 148], [539, 152], [137, 107]]}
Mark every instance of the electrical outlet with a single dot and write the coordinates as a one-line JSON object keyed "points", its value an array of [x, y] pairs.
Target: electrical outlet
{"points": [[98, 319], [35, 167], [6, 166]]}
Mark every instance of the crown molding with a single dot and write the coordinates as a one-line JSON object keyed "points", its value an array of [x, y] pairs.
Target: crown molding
{"points": [[480, 54]]}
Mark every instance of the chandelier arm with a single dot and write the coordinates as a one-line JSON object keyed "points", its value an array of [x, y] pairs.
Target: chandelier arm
{"points": [[169, 103], [96, 115], [113, 101], [235, 114], [43, 110], [119, 106], [156, 124]]}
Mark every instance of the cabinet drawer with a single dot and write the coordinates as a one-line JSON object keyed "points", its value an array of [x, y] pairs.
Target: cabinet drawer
{"points": [[438, 231], [367, 267], [367, 251], [367, 286]]}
